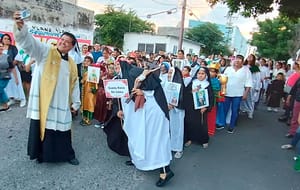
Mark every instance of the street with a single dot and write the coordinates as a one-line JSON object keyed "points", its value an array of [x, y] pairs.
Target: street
{"points": [[249, 159]]}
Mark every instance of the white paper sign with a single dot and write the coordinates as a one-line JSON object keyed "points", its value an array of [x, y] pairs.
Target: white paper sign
{"points": [[172, 90], [116, 88]]}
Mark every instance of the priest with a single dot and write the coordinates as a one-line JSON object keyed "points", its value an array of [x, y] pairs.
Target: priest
{"points": [[54, 94]]}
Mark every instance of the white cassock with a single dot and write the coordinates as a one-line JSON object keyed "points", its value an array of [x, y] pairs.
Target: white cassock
{"points": [[148, 134]]}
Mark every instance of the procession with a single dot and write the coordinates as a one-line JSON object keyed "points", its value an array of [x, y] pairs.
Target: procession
{"points": [[153, 109]]}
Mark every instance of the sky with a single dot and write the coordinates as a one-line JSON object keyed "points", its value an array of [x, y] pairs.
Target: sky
{"points": [[199, 8]]}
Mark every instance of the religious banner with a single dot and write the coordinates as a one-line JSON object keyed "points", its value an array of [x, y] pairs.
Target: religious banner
{"points": [[179, 63], [200, 98], [172, 92], [93, 74], [117, 88]]}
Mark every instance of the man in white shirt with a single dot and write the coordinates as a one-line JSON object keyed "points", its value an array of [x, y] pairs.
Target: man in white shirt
{"points": [[237, 88]]}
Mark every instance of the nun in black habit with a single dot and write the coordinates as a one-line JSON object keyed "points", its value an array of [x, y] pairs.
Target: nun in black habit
{"points": [[195, 121], [146, 122]]}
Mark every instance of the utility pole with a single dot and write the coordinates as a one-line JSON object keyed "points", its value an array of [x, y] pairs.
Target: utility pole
{"points": [[182, 25]]}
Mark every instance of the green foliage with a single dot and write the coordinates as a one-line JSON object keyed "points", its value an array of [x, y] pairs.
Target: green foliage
{"points": [[289, 8], [113, 24], [209, 35], [273, 38]]}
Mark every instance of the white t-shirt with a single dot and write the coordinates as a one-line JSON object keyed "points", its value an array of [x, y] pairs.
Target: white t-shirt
{"points": [[237, 81]]}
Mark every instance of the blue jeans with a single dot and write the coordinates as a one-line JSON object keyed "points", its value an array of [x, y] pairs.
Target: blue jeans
{"points": [[221, 117], [295, 140], [3, 95], [235, 106]]}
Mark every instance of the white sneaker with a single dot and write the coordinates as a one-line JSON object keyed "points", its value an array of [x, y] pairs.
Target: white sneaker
{"points": [[205, 145], [22, 103], [178, 154], [275, 109], [250, 115], [97, 126], [11, 102], [269, 109]]}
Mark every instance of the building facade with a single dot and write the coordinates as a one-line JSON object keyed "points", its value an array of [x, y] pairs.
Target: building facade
{"points": [[152, 43], [232, 34]]}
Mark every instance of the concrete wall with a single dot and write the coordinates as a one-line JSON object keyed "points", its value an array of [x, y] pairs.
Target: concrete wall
{"points": [[49, 19], [50, 12]]}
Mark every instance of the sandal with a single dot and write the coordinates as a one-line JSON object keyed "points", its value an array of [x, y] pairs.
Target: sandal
{"points": [[188, 143], [5, 109]]}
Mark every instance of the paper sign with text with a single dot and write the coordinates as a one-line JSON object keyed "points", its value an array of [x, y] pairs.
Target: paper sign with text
{"points": [[116, 88]]}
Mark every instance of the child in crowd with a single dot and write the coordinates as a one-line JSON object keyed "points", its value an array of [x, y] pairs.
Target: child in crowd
{"points": [[89, 90], [186, 75], [275, 93], [216, 87], [195, 127]]}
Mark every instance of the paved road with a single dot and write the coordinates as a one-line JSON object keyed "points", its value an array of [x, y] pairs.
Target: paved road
{"points": [[249, 159]]}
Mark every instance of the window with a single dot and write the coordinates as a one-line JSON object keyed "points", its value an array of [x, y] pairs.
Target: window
{"points": [[160, 47], [141, 47], [148, 48], [175, 50]]}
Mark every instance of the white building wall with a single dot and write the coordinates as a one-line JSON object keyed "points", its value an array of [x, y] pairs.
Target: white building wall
{"points": [[131, 41]]}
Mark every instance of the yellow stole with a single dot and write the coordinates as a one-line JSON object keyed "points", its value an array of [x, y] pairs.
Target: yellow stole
{"points": [[48, 84]]}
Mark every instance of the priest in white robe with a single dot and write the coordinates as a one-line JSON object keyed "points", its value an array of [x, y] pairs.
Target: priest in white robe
{"points": [[54, 94]]}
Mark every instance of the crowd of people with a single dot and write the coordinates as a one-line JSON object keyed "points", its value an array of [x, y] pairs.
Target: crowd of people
{"points": [[207, 94]]}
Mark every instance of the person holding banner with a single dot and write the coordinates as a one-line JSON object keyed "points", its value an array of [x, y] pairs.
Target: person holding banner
{"points": [[88, 93], [176, 110], [146, 122], [195, 121]]}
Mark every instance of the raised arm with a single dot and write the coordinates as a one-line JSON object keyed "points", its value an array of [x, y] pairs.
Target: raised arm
{"points": [[25, 40]]}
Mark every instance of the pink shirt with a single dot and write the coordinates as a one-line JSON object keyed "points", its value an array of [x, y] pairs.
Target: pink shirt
{"points": [[292, 79]]}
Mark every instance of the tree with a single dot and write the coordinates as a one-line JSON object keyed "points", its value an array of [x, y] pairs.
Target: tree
{"points": [[210, 36], [112, 25], [294, 43], [289, 8], [273, 38]]}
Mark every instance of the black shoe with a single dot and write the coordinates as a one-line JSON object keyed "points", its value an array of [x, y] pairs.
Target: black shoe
{"points": [[219, 127], [39, 160], [289, 136], [74, 162], [230, 130], [161, 182], [129, 163], [283, 119]]}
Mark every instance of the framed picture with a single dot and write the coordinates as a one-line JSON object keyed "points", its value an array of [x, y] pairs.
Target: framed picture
{"points": [[93, 74], [117, 88], [172, 92], [200, 98], [179, 63]]}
